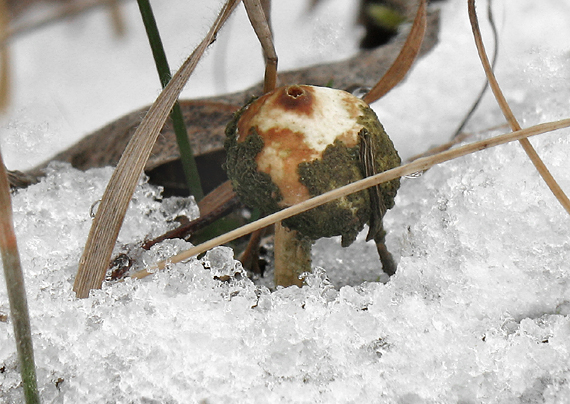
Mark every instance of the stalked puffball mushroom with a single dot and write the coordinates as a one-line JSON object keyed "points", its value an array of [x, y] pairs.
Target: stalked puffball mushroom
{"points": [[300, 141]]}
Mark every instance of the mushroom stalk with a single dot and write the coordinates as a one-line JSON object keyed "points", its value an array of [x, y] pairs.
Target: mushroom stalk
{"points": [[292, 256]]}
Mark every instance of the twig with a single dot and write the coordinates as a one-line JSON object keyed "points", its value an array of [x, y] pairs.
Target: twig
{"points": [[493, 63], [216, 204], [456, 140], [525, 143]]}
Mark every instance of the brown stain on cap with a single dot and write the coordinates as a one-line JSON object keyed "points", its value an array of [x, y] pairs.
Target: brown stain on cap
{"points": [[296, 98], [283, 152], [244, 123]]}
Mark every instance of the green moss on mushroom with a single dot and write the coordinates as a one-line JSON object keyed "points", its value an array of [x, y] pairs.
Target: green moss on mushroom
{"points": [[345, 216], [254, 188]]}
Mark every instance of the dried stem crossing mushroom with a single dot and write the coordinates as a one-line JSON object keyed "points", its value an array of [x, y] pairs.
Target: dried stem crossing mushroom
{"points": [[300, 141]]}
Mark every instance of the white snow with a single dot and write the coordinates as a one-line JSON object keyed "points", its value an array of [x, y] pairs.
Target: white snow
{"points": [[477, 312]]}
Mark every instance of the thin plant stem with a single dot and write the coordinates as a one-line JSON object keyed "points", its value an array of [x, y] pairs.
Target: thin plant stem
{"points": [[189, 165], [16, 292], [259, 18], [508, 113], [479, 98]]}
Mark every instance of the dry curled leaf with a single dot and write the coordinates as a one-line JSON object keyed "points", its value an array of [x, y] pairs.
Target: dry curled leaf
{"points": [[205, 123], [405, 59]]}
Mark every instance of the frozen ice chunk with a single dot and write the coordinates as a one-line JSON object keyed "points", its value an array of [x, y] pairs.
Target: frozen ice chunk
{"points": [[220, 260], [176, 206]]}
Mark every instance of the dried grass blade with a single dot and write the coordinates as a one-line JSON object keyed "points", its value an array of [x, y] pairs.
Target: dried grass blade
{"points": [[16, 291], [508, 113], [407, 169], [260, 23], [405, 58], [113, 206], [266, 5]]}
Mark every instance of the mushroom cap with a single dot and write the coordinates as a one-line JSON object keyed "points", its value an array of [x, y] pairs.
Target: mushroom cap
{"points": [[300, 141]]}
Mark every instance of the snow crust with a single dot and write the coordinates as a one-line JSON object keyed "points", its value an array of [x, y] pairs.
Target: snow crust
{"points": [[477, 311]]}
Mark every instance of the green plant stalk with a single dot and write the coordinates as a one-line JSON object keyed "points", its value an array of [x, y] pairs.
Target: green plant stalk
{"points": [[16, 292], [186, 154]]}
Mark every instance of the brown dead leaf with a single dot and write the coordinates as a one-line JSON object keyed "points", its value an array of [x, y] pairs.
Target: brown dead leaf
{"points": [[205, 122], [405, 59]]}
